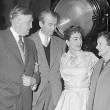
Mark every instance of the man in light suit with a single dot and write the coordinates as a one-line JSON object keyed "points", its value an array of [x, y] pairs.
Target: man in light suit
{"points": [[49, 54], [100, 83], [18, 76]]}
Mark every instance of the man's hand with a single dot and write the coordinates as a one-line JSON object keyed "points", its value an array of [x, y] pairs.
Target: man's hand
{"points": [[28, 81]]}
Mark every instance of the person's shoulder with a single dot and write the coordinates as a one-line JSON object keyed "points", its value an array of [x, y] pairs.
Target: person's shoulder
{"points": [[60, 41], [1, 32], [89, 53], [30, 41], [34, 35], [58, 38], [65, 55], [4, 33], [91, 56]]}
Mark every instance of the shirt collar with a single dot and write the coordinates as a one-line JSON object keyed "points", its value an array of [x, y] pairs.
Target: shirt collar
{"points": [[42, 36], [15, 34]]}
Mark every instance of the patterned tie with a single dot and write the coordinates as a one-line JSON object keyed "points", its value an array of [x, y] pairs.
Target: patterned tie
{"points": [[21, 43]]}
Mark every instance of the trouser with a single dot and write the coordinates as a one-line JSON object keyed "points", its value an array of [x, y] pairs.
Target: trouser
{"points": [[45, 101], [8, 108]]}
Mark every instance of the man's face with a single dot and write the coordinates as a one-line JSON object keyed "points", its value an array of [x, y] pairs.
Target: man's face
{"points": [[102, 46], [49, 25], [24, 24]]}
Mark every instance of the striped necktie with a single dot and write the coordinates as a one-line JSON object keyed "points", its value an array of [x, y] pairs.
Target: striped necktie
{"points": [[21, 43]]}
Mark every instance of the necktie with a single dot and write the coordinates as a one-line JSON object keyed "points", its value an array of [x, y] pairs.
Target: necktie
{"points": [[21, 43]]}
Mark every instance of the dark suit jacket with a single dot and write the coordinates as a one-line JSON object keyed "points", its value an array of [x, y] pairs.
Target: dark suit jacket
{"points": [[12, 69], [100, 88], [49, 74]]}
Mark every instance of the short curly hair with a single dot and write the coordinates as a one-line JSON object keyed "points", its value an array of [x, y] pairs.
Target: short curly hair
{"points": [[106, 35], [72, 29]]}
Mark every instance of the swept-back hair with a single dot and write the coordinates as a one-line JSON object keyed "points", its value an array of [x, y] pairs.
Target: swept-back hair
{"points": [[43, 14], [19, 10]]}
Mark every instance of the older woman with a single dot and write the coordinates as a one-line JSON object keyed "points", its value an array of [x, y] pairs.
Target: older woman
{"points": [[76, 68], [100, 82]]}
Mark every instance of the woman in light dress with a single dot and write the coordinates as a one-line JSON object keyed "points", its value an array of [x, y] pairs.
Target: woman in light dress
{"points": [[76, 68]]}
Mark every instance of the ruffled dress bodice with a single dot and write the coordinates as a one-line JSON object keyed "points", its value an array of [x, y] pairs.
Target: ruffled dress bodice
{"points": [[76, 73]]}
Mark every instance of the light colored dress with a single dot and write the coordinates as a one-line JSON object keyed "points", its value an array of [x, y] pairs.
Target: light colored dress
{"points": [[76, 73]]}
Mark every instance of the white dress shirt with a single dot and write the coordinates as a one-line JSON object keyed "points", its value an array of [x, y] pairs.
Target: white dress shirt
{"points": [[16, 36], [42, 37]]}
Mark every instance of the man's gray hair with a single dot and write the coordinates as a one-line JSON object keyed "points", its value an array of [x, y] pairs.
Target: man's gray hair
{"points": [[19, 10]]}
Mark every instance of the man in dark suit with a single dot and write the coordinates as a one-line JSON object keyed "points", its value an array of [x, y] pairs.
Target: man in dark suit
{"points": [[50, 49], [99, 98], [18, 59]]}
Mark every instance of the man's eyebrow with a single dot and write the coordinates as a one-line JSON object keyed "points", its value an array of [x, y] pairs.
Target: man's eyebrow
{"points": [[77, 37]]}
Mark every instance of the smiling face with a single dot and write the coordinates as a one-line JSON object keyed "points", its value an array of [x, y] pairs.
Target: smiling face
{"points": [[102, 46], [75, 42], [49, 25]]}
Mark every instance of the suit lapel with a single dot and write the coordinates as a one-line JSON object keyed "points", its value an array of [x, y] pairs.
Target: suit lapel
{"points": [[97, 71], [27, 51], [95, 78], [12, 46], [40, 48], [106, 66], [104, 69], [53, 50]]}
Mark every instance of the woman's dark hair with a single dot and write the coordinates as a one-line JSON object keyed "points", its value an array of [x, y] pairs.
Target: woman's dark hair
{"points": [[106, 35], [72, 29]]}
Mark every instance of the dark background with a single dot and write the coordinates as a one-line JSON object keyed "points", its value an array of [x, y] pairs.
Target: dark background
{"points": [[90, 43], [37, 6]]}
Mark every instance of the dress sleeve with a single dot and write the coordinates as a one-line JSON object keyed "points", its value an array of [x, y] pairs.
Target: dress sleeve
{"points": [[92, 61], [62, 62]]}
